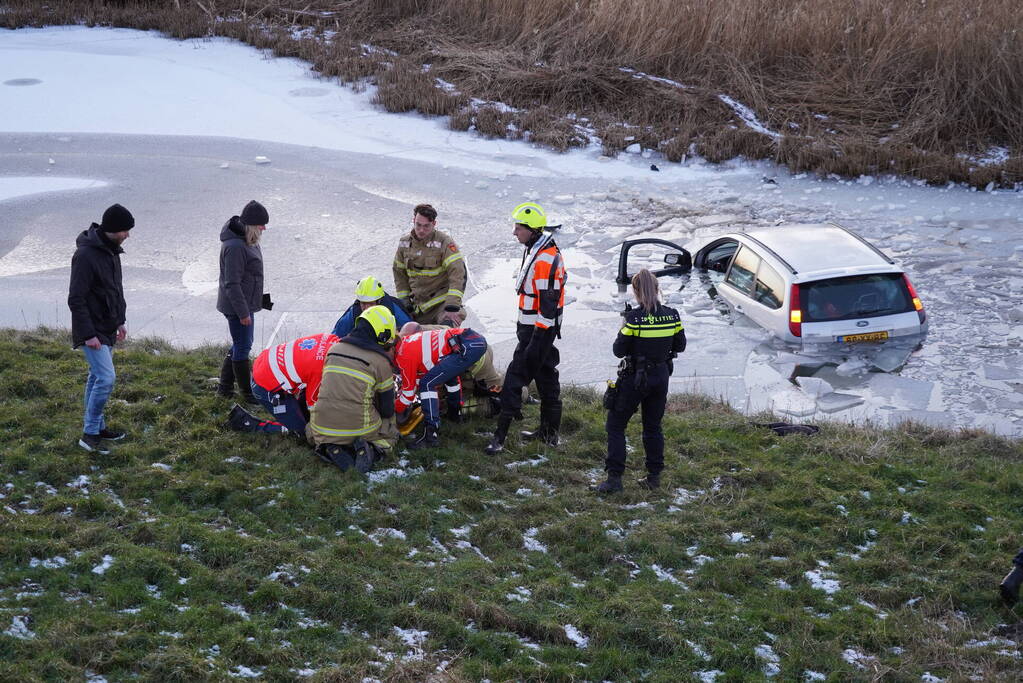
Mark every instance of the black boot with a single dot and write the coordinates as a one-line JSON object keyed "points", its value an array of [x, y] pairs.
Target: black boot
{"points": [[1010, 585], [333, 454], [244, 381], [226, 386], [241, 420], [496, 444], [365, 456], [429, 439], [613, 484], [651, 483]]}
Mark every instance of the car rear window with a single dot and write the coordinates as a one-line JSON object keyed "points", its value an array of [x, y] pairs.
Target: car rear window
{"points": [[857, 296]]}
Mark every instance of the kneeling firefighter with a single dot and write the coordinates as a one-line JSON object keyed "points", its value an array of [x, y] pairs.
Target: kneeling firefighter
{"points": [[353, 419], [650, 339]]}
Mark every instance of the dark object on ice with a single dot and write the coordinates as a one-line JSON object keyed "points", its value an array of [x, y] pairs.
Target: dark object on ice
{"points": [[785, 428], [653, 167], [769, 181], [267, 302]]}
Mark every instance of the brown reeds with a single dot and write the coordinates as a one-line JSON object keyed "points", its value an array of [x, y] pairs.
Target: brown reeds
{"points": [[850, 86]]}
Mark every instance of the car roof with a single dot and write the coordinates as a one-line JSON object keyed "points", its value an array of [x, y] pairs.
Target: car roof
{"points": [[814, 248]]}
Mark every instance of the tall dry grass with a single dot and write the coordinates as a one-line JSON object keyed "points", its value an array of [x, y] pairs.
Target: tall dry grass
{"points": [[854, 86]]}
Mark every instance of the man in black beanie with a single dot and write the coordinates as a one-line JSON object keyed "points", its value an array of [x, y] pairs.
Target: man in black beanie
{"points": [[96, 300]]}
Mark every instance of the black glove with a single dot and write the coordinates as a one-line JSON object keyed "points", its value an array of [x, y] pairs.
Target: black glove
{"points": [[267, 303]]}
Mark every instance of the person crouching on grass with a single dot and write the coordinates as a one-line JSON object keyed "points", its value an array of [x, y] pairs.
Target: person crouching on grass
{"points": [[648, 341]]}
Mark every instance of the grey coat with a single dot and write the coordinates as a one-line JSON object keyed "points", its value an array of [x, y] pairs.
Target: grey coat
{"points": [[241, 272]]}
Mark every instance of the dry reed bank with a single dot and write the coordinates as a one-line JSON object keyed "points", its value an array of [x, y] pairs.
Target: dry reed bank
{"points": [[931, 89]]}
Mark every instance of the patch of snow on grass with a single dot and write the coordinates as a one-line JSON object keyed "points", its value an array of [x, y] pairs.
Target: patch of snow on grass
{"points": [[820, 580], [770, 657], [383, 534], [665, 575], [573, 634], [520, 594], [529, 541], [52, 563], [708, 676], [535, 462], [19, 629], [380, 477], [242, 671], [414, 640], [858, 659], [106, 564], [699, 651], [739, 537]]}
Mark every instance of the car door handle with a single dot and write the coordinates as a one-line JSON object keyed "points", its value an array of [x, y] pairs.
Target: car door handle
{"points": [[738, 307]]}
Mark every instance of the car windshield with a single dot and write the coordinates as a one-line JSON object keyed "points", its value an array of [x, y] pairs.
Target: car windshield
{"points": [[859, 296]]}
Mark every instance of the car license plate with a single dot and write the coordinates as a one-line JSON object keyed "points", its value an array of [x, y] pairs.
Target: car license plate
{"points": [[865, 337]]}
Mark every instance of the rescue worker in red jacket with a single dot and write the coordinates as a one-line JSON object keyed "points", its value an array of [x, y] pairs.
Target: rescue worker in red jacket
{"points": [[541, 288], [427, 359], [286, 380]]}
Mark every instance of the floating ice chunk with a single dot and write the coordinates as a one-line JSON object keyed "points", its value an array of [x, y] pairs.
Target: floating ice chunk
{"points": [[814, 386], [576, 636], [837, 401], [853, 366], [262, 160], [890, 359], [634, 148]]}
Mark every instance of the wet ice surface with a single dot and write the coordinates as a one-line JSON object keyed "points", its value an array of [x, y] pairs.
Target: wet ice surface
{"points": [[337, 211]]}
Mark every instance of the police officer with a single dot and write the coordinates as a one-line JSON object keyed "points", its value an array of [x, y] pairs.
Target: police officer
{"points": [[650, 338], [429, 273], [541, 288]]}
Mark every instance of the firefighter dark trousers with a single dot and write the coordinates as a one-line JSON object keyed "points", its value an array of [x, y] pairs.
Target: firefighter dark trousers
{"points": [[471, 348], [650, 399], [523, 369]]}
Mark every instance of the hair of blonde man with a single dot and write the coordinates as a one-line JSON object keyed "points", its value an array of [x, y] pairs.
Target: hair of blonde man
{"points": [[647, 290], [252, 235]]}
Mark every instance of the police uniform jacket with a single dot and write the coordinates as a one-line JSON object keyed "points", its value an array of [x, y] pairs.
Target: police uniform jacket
{"points": [[655, 337]]}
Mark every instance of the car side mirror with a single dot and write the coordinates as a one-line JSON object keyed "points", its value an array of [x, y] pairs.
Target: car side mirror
{"points": [[673, 259]]}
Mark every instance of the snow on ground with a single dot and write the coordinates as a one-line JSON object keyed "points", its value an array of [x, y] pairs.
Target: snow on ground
{"points": [[340, 177]]}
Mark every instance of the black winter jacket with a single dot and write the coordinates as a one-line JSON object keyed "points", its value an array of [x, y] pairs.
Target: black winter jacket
{"points": [[95, 295], [241, 272]]}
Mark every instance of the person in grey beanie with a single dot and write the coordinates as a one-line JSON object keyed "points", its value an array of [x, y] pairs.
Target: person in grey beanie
{"points": [[96, 299], [240, 294]]}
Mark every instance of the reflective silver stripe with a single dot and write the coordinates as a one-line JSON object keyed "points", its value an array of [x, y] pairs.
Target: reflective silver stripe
{"points": [[427, 348], [289, 364], [542, 284], [528, 298], [277, 372], [540, 320], [453, 387], [544, 258], [527, 318], [428, 394], [410, 393]]}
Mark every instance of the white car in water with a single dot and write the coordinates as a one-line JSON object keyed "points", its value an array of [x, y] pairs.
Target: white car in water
{"points": [[814, 284]]}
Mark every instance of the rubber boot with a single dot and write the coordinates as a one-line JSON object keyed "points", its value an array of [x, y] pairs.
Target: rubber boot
{"points": [[1010, 586], [333, 454], [429, 439], [365, 455], [241, 420], [547, 432], [613, 484], [226, 386], [651, 483], [244, 381], [496, 444]]}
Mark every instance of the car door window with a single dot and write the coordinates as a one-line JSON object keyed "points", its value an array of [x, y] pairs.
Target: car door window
{"points": [[743, 271], [717, 257], [770, 287]]}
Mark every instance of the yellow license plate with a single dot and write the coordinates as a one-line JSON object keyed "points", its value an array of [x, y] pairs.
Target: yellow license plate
{"points": [[865, 337]]}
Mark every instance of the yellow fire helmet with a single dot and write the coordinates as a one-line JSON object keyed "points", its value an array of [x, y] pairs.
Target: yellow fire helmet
{"points": [[369, 289], [531, 215], [382, 321]]}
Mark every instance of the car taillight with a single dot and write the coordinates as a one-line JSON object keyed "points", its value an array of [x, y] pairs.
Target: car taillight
{"points": [[795, 313], [917, 304]]}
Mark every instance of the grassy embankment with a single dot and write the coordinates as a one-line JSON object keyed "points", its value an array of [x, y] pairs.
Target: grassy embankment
{"points": [[191, 553], [919, 89]]}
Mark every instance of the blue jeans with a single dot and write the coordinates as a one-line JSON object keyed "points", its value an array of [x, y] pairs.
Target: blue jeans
{"points": [[98, 387], [291, 416], [473, 346], [241, 336]]}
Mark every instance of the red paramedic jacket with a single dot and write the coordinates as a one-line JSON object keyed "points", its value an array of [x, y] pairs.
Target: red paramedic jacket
{"points": [[417, 354], [294, 365]]}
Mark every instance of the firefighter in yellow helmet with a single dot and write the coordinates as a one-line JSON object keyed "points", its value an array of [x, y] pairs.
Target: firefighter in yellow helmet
{"points": [[352, 422], [369, 292], [540, 286], [429, 273]]}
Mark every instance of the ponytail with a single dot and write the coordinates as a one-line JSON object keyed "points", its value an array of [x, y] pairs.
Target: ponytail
{"points": [[647, 290]]}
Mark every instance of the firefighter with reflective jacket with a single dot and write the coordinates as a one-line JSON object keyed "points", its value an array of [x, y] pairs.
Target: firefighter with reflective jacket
{"points": [[541, 288], [648, 342], [352, 422], [429, 359], [369, 292], [429, 273], [286, 380]]}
